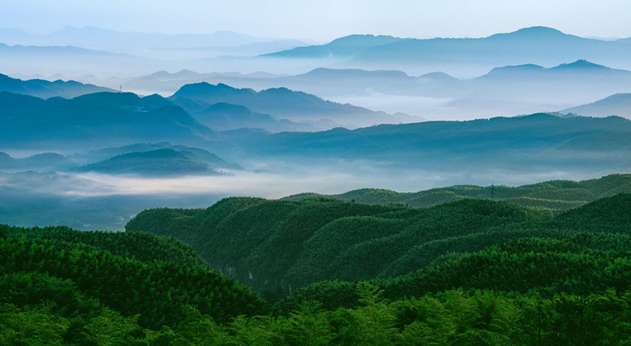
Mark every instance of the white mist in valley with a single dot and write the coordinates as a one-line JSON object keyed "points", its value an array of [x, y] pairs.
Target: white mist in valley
{"points": [[271, 185]]}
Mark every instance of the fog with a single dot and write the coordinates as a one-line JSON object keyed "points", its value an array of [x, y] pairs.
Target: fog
{"points": [[90, 201], [273, 185]]}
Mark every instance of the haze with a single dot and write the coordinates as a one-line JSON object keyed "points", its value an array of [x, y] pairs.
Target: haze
{"points": [[323, 20], [111, 107]]}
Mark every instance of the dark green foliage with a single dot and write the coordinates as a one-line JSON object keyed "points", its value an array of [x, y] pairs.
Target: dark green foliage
{"points": [[140, 246], [253, 240], [470, 243], [78, 272], [606, 215], [555, 195], [450, 318], [582, 263], [271, 244], [469, 272]]}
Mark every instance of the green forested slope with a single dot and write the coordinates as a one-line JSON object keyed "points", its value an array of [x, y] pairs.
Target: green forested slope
{"points": [[582, 251], [143, 247], [556, 194], [469, 272], [83, 273], [290, 244]]}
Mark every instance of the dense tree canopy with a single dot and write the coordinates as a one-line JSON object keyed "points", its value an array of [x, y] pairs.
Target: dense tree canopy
{"points": [[78, 272], [289, 244], [467, 272]]}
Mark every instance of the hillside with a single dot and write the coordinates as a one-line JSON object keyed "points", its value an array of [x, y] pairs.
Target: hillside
{"points": [[224, 116], [619, 104], [473, 270], [282, 103], [498, 90], [283, 243], [343, 47], [37, 162], [45, 89], [160, 162], [538, 142], [554, 195], [88, 275], [562, 254], [96, 119]]}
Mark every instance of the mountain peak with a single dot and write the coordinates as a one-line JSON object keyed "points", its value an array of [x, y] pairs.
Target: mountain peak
{"points": [[510, 70], [535, 32], [363, 39], [581, 64], [539, 30]]}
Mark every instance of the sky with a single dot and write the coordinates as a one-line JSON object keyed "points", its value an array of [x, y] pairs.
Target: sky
{"points": [[323, 20]]}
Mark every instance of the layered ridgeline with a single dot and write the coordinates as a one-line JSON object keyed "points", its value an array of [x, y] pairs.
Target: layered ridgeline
{"points": [[619, 104], [90, 277], [286, 105], [524, 145], [224, 116], [95, 120], [45, 89], [537, 45], [142, 158], [269, 244], [504, 90], [553, 195]]}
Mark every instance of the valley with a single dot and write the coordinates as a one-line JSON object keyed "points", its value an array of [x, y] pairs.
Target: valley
{"points": [[326, 173]]}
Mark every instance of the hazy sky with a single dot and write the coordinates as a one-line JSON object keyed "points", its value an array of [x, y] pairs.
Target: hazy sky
{"points": [[323, 20]]}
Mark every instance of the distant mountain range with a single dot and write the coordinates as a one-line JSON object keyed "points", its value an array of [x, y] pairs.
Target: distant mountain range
{"points": [[79, 51], [45, 89], [284, 104], [538, 45], [95, 119], [124, 118], [71, 60], [42, 162], [159, 159], [619, 104], [541, 142], [345, 47], [504, 91], [145, 43], [224, 116]]}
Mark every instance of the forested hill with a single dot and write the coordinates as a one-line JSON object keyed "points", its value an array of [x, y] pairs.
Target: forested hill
{"points": [[583, 251], [556, 194], [469, 272], [289, 244], [114, 276]]}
